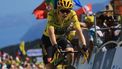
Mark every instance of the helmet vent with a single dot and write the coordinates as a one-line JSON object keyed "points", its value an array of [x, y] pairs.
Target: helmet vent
{"points": [[67, 3], [61, 4], [70, 5]]}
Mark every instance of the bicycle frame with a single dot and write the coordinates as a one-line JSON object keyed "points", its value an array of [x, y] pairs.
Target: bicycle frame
{"points": [[61, 58]]}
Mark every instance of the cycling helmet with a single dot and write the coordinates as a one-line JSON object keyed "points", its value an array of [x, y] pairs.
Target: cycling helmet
{"points": [[65, 4]]}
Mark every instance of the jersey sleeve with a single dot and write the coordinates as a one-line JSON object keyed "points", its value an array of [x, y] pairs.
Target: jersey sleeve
{"points": [[49, 22], [75, 20], [50, 19]]}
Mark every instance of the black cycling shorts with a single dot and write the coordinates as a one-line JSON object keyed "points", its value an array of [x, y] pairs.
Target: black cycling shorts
{"points": [[62, 42]]}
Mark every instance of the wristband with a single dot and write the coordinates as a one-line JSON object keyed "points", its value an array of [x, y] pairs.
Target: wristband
{"points": [[85, 49]]}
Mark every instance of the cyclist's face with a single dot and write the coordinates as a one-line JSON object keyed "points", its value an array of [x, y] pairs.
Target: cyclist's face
{"points": [[64, 12]]}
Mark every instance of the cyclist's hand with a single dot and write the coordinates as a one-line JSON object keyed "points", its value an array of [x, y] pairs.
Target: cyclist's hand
{"points": [[84, 48], [58, 48]]}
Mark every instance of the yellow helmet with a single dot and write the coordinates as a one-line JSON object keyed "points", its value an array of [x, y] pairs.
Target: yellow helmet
{"points": [[89, 19], [65, 4]]}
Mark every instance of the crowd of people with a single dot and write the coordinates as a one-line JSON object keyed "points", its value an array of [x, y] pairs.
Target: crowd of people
{"points": [[9, 62]]}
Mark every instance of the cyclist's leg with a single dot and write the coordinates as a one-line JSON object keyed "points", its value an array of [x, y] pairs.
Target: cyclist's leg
{"points": [[70, 55], [75, 44], [49, 50], [66, 45]]}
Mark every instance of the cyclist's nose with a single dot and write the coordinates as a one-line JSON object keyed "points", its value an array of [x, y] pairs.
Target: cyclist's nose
{"points": [[65, 13]]}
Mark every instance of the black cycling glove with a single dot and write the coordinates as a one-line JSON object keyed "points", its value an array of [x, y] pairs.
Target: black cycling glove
{"points": [[57, 47], [84, 48]]}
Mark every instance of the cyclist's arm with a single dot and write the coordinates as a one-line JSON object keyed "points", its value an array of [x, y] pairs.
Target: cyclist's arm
{"points": [[78, 29], [81, 36], [50, 28], [83, 25], [52, 36]]}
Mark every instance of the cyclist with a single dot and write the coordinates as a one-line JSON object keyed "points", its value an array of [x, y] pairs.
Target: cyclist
{"points": [[58, 22]]}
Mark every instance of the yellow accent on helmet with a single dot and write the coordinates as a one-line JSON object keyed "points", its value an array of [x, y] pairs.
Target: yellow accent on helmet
{"points": [[89, 19], [65, 4]]}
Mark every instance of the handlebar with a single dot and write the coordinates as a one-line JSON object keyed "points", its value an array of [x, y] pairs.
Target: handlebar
{"points": [[70, 51]]}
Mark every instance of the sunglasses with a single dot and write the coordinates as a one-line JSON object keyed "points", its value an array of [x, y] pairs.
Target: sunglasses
{"points": [[67, 11]]}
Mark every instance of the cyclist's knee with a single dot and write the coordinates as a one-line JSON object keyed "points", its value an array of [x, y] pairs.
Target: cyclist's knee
{"points": [[70, 49]]}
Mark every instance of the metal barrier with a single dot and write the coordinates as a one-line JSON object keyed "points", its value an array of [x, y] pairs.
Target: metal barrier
{"points": [[105, 44], [119, 44], [103, 60]]}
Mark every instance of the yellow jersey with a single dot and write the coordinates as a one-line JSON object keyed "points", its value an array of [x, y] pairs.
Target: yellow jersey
{"points": [[61, 24]]}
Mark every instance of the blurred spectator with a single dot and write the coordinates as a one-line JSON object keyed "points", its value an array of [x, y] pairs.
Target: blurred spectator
{"points": [[7, 62]]}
